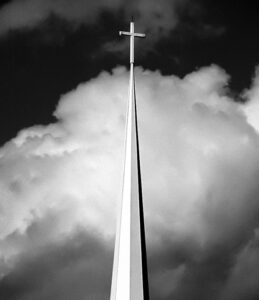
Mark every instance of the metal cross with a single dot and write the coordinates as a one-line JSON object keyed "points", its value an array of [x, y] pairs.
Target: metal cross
{"points": [[132, 35]]}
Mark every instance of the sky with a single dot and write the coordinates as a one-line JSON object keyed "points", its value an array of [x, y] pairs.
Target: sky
{"points": [[63, 87]]}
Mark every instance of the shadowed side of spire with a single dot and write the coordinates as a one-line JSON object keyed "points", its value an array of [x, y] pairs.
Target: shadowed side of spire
{"points": [[140, 203]]}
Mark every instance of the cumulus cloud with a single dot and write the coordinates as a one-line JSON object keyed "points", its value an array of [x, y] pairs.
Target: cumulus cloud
{"points": [[154, 16], [61, 183], [252, 106]]}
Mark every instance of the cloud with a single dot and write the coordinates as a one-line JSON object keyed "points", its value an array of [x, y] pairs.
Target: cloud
{"points": [[65, 270], [61, 183], [242, 281], [252, 106], [154, 16]]}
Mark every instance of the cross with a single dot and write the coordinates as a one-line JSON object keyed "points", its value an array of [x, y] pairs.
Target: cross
{"points": [[132, 35]]}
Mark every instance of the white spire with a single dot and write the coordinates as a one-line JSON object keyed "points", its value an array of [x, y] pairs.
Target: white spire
{"points": [[129, 278]]}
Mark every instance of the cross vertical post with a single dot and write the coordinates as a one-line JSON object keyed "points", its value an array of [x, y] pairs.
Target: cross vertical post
{"points": [[132, 35], [132, 43]]}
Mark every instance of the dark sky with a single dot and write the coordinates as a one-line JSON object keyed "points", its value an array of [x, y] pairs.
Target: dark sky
{"points": [[41, 62], [63, 91]]}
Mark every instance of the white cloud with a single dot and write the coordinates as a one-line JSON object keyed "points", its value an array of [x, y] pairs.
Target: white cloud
{"points": [[200, 168], [242, 283], [252, 107]]}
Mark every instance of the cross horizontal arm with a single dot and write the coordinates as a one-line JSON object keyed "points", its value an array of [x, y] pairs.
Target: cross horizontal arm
{"points": [[141, 35], [124, 33]]}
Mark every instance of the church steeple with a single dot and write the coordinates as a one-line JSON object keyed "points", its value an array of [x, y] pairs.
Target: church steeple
{"points": [[130, 276]]}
